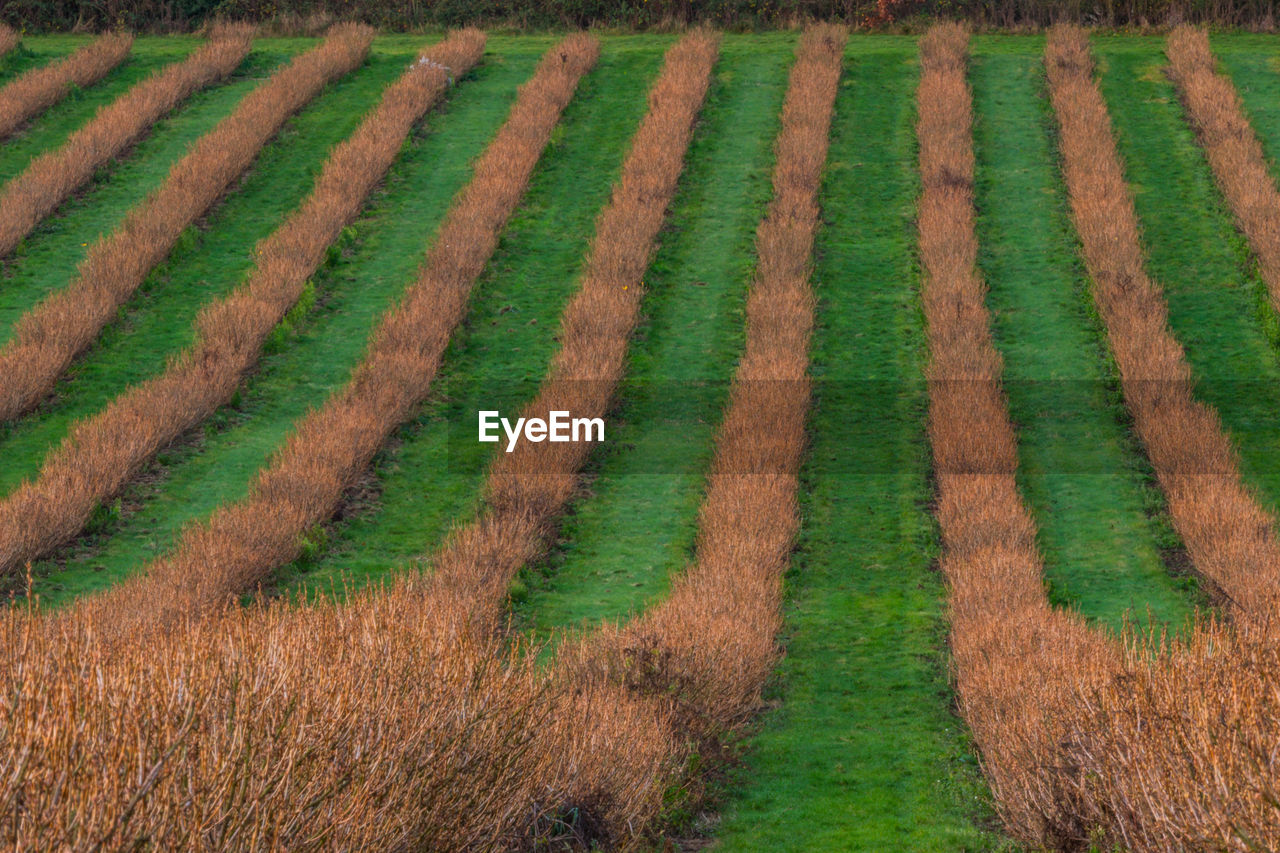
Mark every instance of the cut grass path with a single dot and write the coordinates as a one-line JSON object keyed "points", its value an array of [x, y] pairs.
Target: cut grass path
{"points": [[157, 320], [430, 479], [1217, 304], [863, 752], [47, 259], [316, 347], [52, 127], [1080, 469], [621, 543]]}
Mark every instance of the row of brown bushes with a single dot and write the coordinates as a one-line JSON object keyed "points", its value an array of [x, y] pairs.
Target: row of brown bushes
{"points": [[242, 543], [1151, 746], [103, 451], [54, 175], [41, 88], [48, 337], [384, 723], [9, 39]]}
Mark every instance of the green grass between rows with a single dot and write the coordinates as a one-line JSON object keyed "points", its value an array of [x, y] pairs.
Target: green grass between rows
{"points": [[51, 128]]}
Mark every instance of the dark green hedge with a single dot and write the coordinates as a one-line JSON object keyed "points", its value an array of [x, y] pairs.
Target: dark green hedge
{"points": [[153, 15]]}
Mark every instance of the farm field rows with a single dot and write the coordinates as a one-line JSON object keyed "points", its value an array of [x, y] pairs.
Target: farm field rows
{"points": [[1017, 295]]}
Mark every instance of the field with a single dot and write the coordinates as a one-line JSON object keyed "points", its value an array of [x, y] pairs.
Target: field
{"points": [[936, 505]]}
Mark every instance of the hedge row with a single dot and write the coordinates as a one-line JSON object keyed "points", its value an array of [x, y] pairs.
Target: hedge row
{"points": [[312, 15]]}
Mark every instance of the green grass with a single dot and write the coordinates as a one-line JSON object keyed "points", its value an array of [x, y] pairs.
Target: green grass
{"points": [[430, 478], [1217, 305], [636, 525], [52, 127], [862, 750], [1080, 468], [31, 54]]}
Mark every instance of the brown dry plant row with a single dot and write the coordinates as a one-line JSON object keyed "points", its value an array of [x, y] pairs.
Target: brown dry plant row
{"points": [[41, 88], [104, 450], [1229, 536], [243, 542], [9, 39], [1233, 150], [711, 644], [386, 723], [1015, 658], [48, 337], [326, 727], [53, 176]]}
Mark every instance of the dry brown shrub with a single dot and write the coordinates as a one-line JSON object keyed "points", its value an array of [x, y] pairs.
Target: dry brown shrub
{"points": [[9, 39], [243, 542], [41, 88], [54, 175], [48, 337], [358, 727], [1233, 150]]}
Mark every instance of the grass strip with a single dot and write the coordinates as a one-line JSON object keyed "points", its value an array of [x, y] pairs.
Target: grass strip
{"points": [[41, 88], [52, 177], [244, 542]]}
